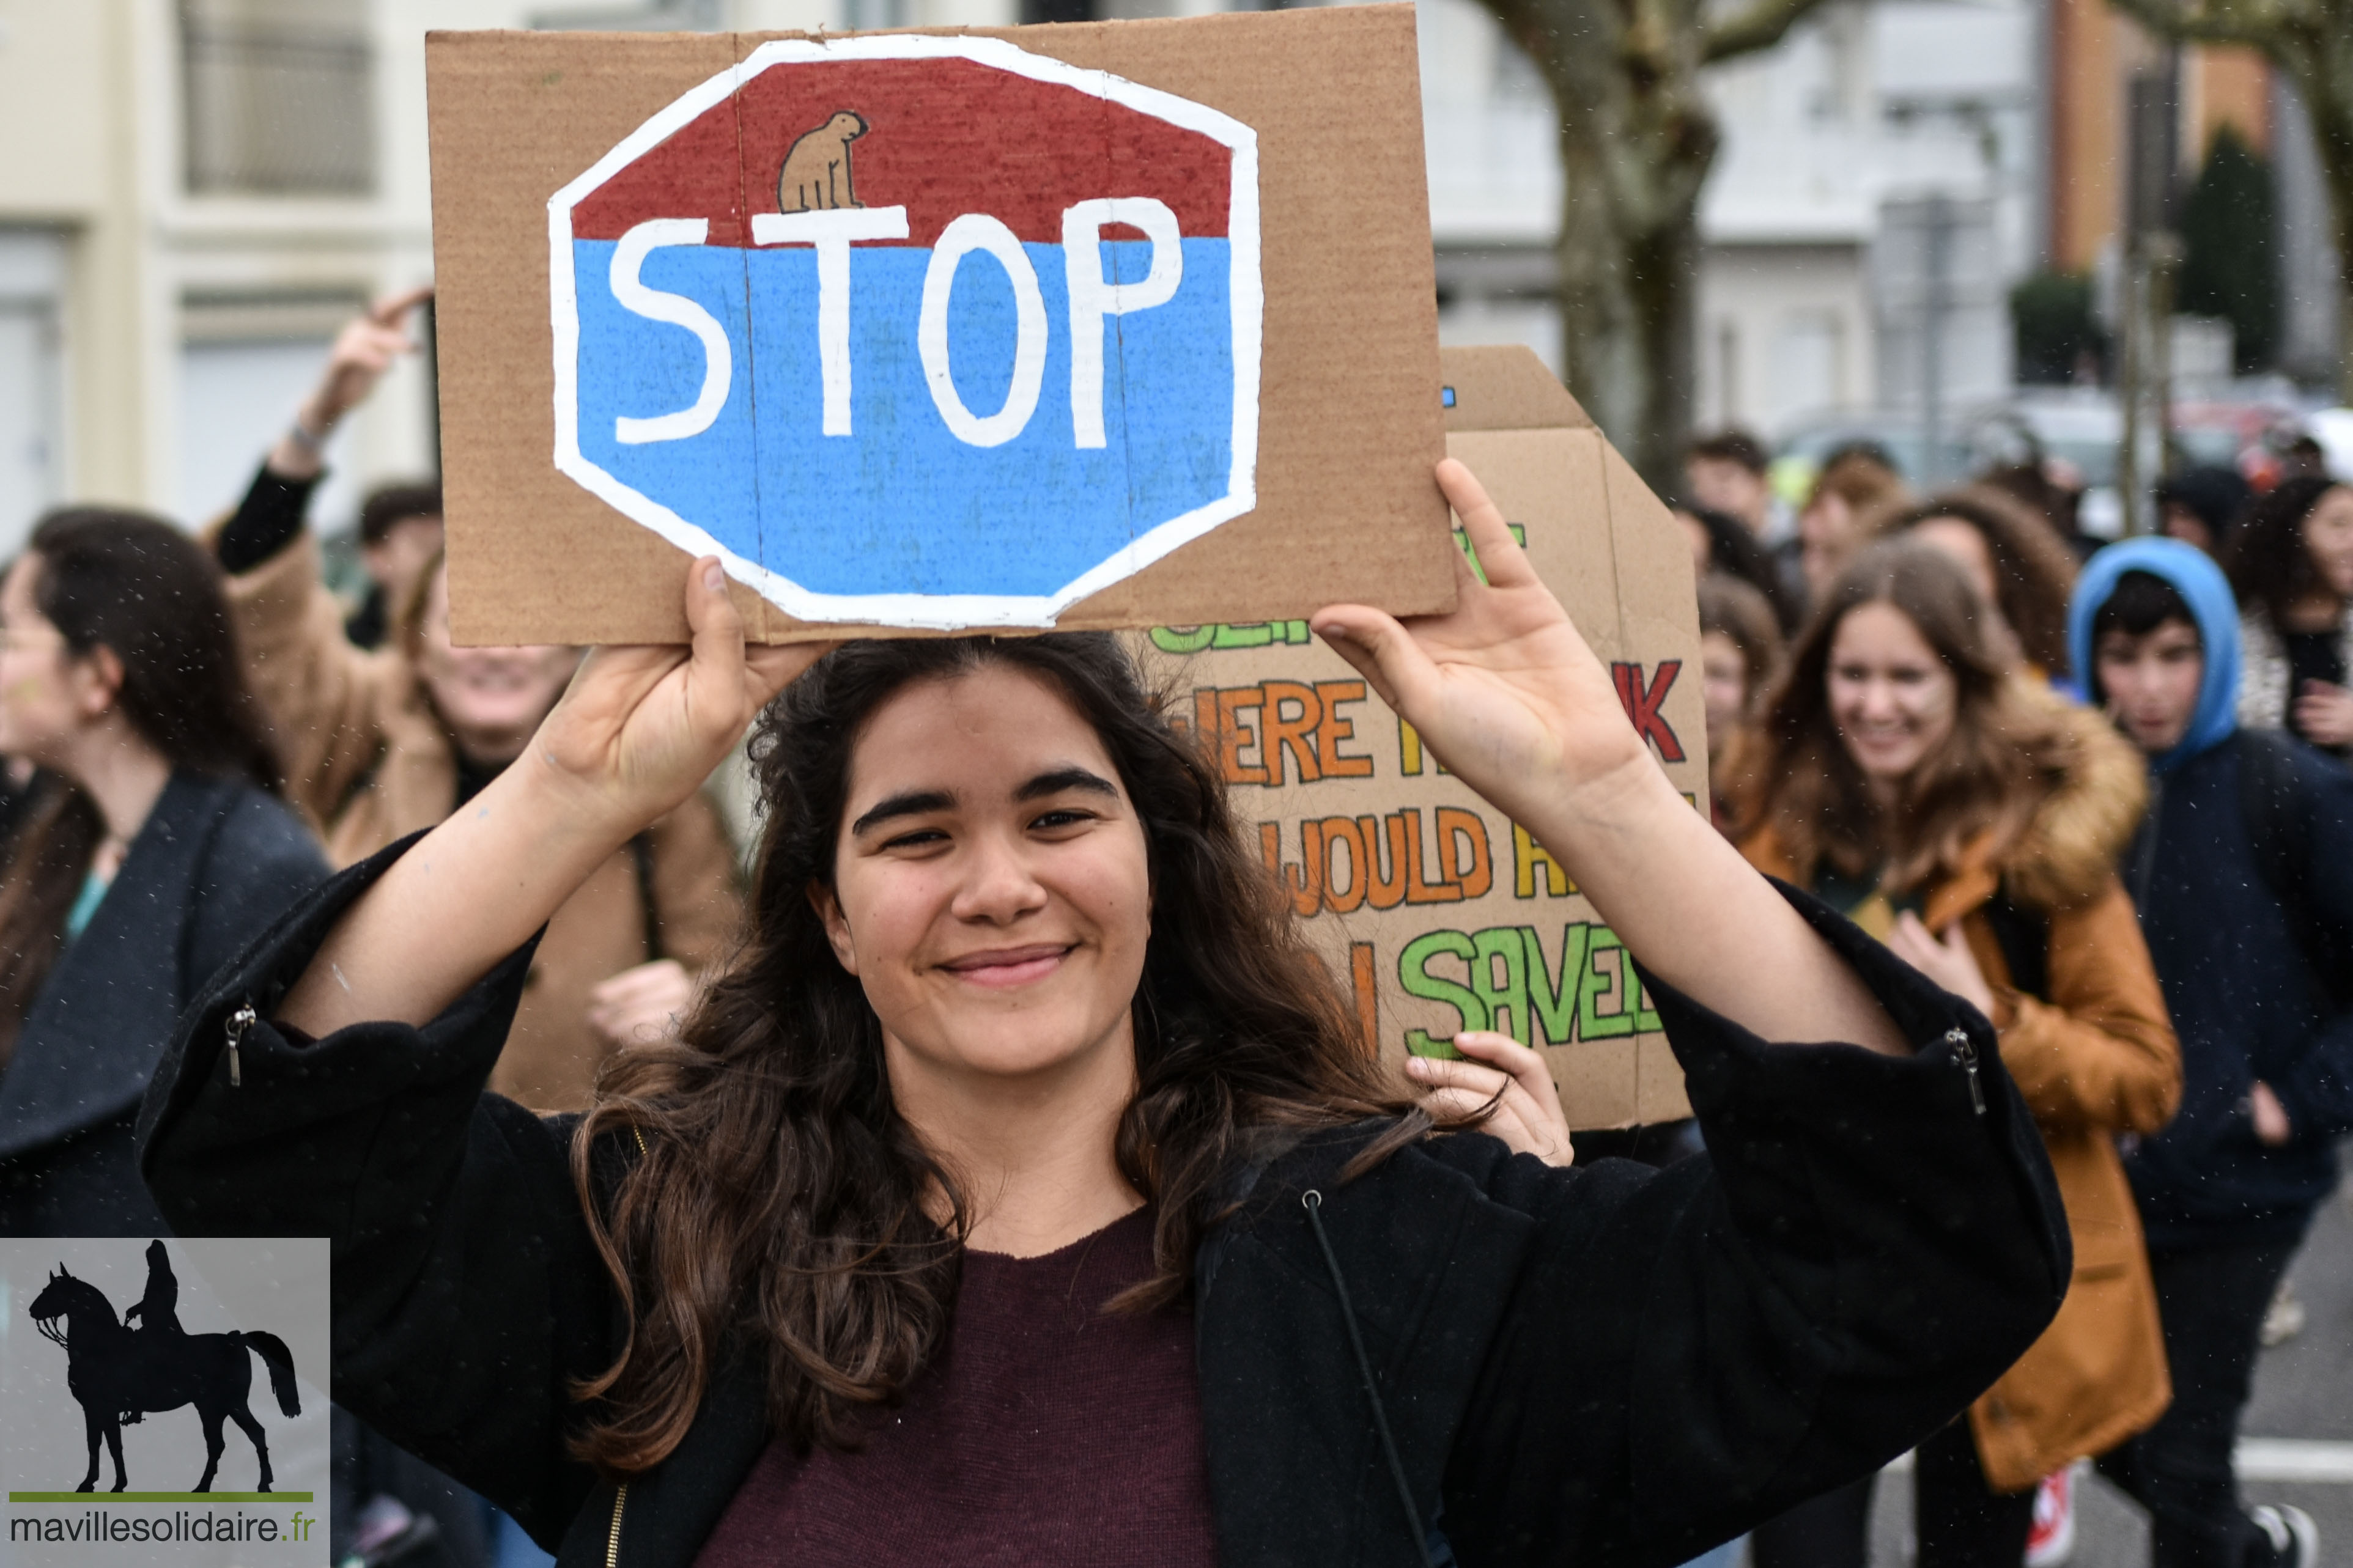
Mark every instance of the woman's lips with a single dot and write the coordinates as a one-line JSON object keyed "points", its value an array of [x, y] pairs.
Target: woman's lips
{"points": [[1009, 966]]}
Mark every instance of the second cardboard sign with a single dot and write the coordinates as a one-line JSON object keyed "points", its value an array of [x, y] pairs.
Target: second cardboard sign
{"points": [[1441, 912]]}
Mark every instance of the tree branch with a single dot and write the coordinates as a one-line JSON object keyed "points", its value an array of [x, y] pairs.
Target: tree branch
{"points": [[1759, 26], [2252, 23]]}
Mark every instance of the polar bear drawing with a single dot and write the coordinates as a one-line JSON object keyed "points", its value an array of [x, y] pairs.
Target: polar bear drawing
{"points": [[816, 175]]}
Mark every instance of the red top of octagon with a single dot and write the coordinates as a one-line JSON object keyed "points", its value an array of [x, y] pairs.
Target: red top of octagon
{"points": [[945, 137]]}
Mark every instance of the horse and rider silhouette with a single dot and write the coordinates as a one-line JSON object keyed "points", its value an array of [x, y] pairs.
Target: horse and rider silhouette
{"points": [[117, 1373]]}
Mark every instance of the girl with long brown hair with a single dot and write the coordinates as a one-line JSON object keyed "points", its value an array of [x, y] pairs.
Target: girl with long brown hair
{"points": [[1901, 774], [1025, 1191], [2022, 572], [1854, 498], [2291, 563], [154, 847]]}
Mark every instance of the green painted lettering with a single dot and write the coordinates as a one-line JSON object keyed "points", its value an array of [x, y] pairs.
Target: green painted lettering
{"points": [[1413, 974]]}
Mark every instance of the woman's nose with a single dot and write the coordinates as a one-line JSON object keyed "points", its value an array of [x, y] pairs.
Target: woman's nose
{"points": [[998, 884]]}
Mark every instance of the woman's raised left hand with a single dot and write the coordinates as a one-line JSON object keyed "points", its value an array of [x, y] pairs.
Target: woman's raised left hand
{"points": [[1501, 688], [1513, 700]]}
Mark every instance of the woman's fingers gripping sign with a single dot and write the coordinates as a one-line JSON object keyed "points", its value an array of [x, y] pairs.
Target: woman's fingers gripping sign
{"points": [[1496, 1071], [643, 726]]}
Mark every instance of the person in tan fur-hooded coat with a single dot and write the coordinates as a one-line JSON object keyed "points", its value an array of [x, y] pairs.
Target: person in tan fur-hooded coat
{"points": [[378, 744], [1972, 821]]}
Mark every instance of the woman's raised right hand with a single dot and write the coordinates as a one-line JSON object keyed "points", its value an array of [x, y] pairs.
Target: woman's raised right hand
{"points": [[638, 732], [640, 728]]}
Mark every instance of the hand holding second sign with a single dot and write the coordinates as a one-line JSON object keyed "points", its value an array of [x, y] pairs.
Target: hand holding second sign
{"points": [[1502, 1088], [638, 732], [1511, 697]]}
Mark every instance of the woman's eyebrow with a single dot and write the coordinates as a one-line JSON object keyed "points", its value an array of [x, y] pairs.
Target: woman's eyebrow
{"points": [[1058, 780], [914, 803]]}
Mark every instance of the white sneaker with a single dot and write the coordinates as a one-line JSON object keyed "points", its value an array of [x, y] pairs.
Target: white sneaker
{"points": [[2284, 1318], [2296, 1540], [2050, 1539]]}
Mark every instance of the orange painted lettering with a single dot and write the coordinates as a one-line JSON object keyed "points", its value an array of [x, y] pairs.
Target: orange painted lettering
{"points": [[1290, 732], [1336, 728], [1383, 889], [1418, 891], [1456, 829]]}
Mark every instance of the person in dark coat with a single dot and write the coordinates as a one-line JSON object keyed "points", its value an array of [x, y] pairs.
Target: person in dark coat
{"points": [[1025, 1193], [2198, 506], [2237, 872], [157, 849]]}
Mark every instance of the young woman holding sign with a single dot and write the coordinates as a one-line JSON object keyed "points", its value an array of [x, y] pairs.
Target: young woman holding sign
{"points": [[1024, 1192]]}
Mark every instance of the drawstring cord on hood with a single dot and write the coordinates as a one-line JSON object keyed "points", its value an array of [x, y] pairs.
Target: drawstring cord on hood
{"points": [[1313, 1201]]}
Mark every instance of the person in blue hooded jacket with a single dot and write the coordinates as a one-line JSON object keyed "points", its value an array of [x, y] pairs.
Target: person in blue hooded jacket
{"points": [[2246, 939]]}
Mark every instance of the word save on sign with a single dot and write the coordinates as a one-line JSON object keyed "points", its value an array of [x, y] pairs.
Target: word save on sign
{"points": [[915, 330]]}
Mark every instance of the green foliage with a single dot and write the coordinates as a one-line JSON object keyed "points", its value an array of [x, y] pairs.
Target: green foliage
{"points": [[2230, 237], [2051, 315]]}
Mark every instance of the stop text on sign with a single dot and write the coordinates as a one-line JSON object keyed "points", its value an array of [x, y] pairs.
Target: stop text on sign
{"points": [[917, 330]]}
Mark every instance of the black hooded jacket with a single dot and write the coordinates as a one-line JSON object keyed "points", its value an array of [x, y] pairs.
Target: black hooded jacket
{"points": [[1601, 1365], [215, 861]]}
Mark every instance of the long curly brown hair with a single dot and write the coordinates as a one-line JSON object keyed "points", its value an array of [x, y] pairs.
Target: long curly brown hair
{"points": [[143, 589], [2034, 572], [779, 1210], [2270, 566], [2004, 757]]}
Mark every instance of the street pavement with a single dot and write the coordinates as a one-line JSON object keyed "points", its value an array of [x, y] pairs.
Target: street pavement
{"points": [[2303, 1392]]}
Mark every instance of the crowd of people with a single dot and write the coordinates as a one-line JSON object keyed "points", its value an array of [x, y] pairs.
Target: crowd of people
{"points": [[2107, 801], [777, 1182]]}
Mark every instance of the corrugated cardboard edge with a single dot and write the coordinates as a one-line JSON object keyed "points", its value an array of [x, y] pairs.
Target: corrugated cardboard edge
{"points": [[1508, 388]]}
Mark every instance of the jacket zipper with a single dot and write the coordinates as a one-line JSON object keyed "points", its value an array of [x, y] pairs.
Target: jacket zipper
{"points": [[1965, 1051], [243, 1019], [613, 1541]]}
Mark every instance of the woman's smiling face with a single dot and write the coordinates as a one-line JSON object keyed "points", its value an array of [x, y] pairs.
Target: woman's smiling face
{"points": [[1893, 699], [991, 888]]}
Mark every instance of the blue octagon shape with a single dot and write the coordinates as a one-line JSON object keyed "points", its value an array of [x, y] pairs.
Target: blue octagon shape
{"points": [[976, 428]]}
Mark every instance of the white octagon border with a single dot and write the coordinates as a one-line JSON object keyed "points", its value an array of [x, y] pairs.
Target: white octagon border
{"points": [[945, 612]]}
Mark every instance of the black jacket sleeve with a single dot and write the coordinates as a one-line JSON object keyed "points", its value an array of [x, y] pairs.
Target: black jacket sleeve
{"points": [[1865, 1248], [2318, 1093], [467, 1293], [265, 522], [263, 863]]}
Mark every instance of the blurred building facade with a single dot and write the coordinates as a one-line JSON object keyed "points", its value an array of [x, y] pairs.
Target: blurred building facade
{"points": [[1887, 175], [1881, 169], [207, 187], [202, 191]]}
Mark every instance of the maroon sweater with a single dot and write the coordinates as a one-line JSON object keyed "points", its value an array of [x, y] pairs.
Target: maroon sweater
{"points": [[1046, 1432]]}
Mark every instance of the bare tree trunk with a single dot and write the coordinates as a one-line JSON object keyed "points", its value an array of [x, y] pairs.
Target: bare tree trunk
{"points": [[2311, 43], [1637, 139], [2327, 99], [1628, 307], [2332, 128]]}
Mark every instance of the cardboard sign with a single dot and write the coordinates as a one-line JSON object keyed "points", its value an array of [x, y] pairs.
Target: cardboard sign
{"points": [[1444, 914], [1078, 326]]}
